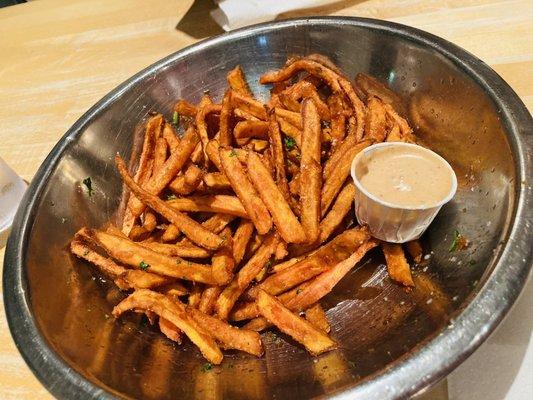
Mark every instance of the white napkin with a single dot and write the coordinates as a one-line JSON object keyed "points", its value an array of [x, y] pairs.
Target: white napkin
{"points": [[233, 14]]}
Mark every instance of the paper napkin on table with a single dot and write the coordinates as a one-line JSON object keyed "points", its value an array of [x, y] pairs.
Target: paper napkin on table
{"points": [[233, 14]]}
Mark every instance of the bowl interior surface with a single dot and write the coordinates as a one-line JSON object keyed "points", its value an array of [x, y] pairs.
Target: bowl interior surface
{"points": [[376, 323]]}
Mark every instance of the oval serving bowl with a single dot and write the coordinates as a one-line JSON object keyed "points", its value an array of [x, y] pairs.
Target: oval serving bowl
{"points": [[392, 344]]}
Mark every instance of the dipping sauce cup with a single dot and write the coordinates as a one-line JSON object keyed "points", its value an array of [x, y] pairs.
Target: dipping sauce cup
{"points": [[396, 219]]}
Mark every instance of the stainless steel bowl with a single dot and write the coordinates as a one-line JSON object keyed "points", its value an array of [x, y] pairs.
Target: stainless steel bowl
{"points": [[393, 344]]}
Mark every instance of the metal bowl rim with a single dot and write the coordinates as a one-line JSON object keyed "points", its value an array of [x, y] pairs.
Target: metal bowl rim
{"points": [[407, 376]]}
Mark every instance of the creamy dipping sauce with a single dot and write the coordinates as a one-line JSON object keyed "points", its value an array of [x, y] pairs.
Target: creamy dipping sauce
{"points": [[407, 176]]}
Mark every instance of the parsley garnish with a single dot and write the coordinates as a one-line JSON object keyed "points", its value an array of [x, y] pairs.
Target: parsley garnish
{"points": [[89, 185], [268, 264], [459, 242], [171, 197], [232, 153], [289, 143], [206, 367], [144, 266], [175, 119]]}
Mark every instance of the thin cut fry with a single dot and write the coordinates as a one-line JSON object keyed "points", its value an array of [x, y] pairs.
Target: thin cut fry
{"points": [[173, 141], [188, 181], [242, 237], [244, 277], [178, 250], [338, 118], [195, 295], [192, 229], [278, 157], [175, 313], [218, 203], [216, 180], [209, 298], [237, 82], [170, 330], [223, 263], [248, 104], [290, 116], [376, 121], [224, 136], [204, 108], [240, 113], [290, 130], [414, 248], [182, 107], [316, 316], [254, 206], [310, 171], [315, 341], [245, 130], [286, 222], [397, 264], [341, 207]]}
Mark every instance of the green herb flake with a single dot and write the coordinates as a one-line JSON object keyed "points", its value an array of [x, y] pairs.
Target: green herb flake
{"points": [[206, 367], [289, 143], [459, 242], [232, 153], [472, 262], [268, 264], [144, 266], [171, 197], [175, 119], [89, 185]]}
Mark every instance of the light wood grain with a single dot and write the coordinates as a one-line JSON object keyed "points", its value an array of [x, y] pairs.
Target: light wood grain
{"points": [[58, 57]]}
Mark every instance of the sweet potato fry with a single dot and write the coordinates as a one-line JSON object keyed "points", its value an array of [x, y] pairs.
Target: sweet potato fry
{"points": [[340, 208], [310, 171], [172, 140], [244, 311], [212, 150], [170, 330], [149, 221], [168, 171], [367, 86], [245, 130], [278, 157], [357, 105], [205, 108], [223, 263], [183, 107], [324, 283], [305, 89], [394, 134], [209, 298], [145, 167], [192, 229], [335, 181], [178, 250], [228, 336], [397, 264], [138, 256], [257, 324], [224, 134], [188, 181], [316, 316], [216, 180], [174, 289], [254, 206], [286, 222], [414, 248], [406, 132], [332, 252], [338, 118], [175, 313], [160, 153], [244, 277], [171, 233], [218, 203], [241, 114], [237, 82], [195, 295], [248, 104], [315, 341], [242, 237], [290, 130], [292, 117], [376, 126]]}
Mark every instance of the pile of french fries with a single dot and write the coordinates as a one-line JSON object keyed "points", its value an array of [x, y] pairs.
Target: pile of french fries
{"points": [[239, 216]]}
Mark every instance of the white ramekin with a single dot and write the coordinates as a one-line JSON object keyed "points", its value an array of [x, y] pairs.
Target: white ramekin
{"points": [[388, 221]]}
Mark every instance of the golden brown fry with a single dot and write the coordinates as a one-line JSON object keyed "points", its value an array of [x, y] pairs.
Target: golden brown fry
{"points": [[310, 171], [292, 117], [171, 233], [212, 150], [254, 206], [187, 250], [224, 136], [248, 104], [183, 107], [315, 341], [337, 177], [257, 324], [286, 222], [223, 263], [239, 113], [195, 295], [245, 130], [237, 82], [316, 316], [338, 118], [367, 86], [281, 251], [144, 170], [290, 130], [216, 180], [160, 153], [241, 238], [149, 221], [376, 126], [305, 89], [175, 313], [205, 108], [124, 278], [197, 156], [414, 248], [228, 336], [278, 157], [209, 298], [397, 264], [244, 311], [357, 105], [168, 171], [244, 277], [341, 207], [312, 67], [284, 265], [138, 256], [170, 330], [174, 289], [218, 203], [172, 140], [192, 229], [394, 134], [339, 151], [324, 283], [321, 260], [406, 132], [188, 181]]}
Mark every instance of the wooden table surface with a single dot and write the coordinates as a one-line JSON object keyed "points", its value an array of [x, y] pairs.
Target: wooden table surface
{"points": [[58, 57]]}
